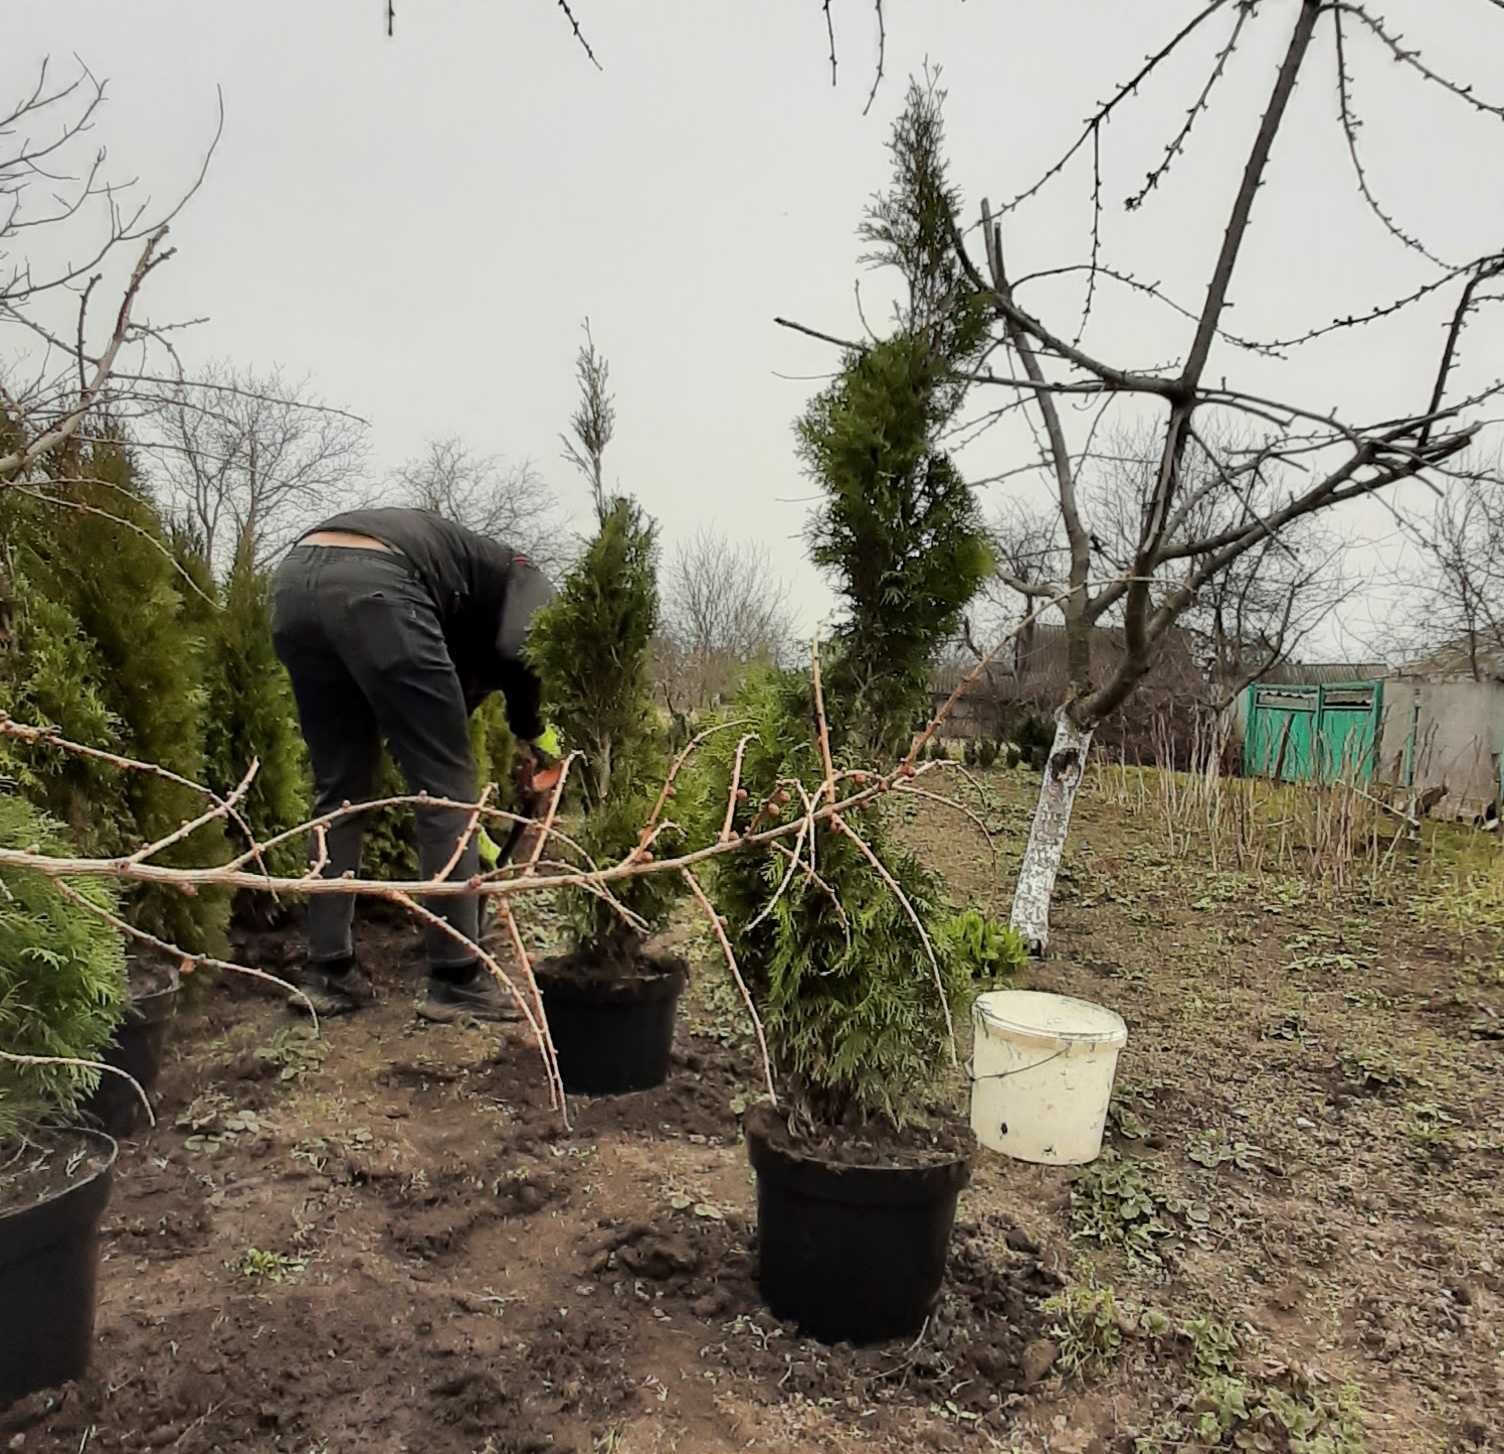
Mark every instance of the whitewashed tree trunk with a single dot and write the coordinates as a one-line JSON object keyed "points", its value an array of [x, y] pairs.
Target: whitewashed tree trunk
{"points": [[1052, 820]]}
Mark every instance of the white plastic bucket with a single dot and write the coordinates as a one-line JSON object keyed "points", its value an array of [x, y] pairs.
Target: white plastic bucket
{"points": [[1042, 1069]]}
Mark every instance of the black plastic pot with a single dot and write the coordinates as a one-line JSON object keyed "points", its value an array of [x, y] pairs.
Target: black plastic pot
{"points": [[615, 1035], [49, 1257], [852, 1254], [137, 1048]]}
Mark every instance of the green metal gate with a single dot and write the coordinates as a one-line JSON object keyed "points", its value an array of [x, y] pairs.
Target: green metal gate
{"points": [[1313, 734]]}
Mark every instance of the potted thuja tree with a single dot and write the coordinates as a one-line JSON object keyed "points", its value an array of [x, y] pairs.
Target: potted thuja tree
{"points": [[62, 991], [610, 1001], [859, 972], [858, 969]]}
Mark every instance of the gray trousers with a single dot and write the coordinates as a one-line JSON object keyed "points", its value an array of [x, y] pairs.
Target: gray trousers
{"points": [[361, 640]]}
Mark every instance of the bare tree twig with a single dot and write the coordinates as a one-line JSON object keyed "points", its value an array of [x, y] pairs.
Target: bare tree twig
{"points": [[718, 925], [99, 1065], [737, 792], [182, 956], [1350, 124], [881, 869], [882, 53], [829, 792], [1198, 107], [183, 830], [579, 34]]}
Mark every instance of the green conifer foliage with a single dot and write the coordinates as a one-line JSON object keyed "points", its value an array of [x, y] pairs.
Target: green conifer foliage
{"points": [[592, 647], [127, 595], [858, 984], [50, 677], [900, 534], [62, 978], [251, 715], [854, 1018]]}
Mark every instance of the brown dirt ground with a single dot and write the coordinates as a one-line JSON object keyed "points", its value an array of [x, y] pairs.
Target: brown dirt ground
{"points": [[396, 1246]]}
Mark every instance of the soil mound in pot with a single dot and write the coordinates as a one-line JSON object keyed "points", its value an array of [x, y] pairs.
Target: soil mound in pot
{"points": [[853, 1233], [137, 1048], [51, 1199], [612, 1018]]}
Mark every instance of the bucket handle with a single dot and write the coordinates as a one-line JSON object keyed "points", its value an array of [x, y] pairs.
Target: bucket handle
{"points": [[971, 1068]]}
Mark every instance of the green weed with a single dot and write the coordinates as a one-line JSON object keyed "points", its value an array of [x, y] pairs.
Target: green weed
{"points": [[1086, 1326], [1372, 1071], [293, 1052], [1212, 1149], [1228, 1409], [261, 1266], [1117, 1202], [212, 1120]]}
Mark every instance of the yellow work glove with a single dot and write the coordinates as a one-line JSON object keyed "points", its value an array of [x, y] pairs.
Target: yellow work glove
{"points": [[490, 850]]}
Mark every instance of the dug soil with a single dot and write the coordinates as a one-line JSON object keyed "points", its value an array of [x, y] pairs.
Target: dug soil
{"points": [[942, 1140], [386, 1240], [47, 1166], [626, 970]]}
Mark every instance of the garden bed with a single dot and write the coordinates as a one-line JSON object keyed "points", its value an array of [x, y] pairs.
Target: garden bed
{"points": [[385, 1241]]}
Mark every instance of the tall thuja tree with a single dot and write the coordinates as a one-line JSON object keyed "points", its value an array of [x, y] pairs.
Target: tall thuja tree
{"points": [[857, 970], [116, 574], [51, 676], [593, 648], [251, 715], [900, 534]]}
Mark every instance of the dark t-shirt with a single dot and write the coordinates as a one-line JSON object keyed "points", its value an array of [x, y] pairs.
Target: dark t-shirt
{"points": [[485, 594]]}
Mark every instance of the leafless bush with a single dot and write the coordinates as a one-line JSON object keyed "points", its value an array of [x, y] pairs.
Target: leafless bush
{"points": [[249, 460], [486, 494], [724, 609]]}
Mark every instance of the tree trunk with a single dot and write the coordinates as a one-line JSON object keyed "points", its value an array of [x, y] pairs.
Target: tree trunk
{"points": [[1052, 820]]}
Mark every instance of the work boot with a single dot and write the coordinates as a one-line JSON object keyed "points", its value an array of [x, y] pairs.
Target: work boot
{"points": [[478, 996], [333, 987]]}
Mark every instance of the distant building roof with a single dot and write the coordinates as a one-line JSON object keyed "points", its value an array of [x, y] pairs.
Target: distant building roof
{"points": [[1456, 660], [1322, 673]]}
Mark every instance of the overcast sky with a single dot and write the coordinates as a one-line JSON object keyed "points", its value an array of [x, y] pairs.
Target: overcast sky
{"points": [[420, 223]]}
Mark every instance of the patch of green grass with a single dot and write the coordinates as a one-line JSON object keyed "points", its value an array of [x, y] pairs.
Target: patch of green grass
{"points": [[1461, 881], [1220, 889]]}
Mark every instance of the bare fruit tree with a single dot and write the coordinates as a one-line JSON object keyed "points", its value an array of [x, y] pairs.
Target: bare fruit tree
{"points": [[249, 460], [725, 608], [81, 364], [1459, 581], [1242, 620], [1041, 367], [77, 247], [486, 494]]}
